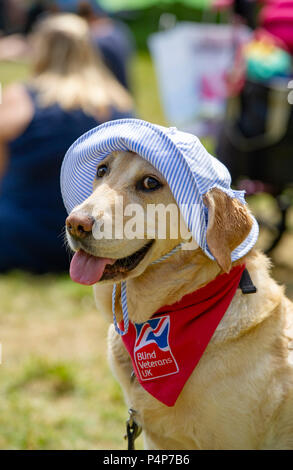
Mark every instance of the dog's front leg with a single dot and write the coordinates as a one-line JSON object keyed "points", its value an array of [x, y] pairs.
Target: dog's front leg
{"points": [[154, 441]]}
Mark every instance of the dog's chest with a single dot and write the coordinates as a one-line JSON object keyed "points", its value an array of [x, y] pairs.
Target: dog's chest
{"points": [[164, 427], [215, 409]]}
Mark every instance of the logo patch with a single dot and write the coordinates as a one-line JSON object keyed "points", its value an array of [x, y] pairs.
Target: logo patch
{"points": [[152, 353]]}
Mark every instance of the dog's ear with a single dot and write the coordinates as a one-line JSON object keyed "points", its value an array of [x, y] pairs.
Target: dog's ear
{"points": [[229, 223]]}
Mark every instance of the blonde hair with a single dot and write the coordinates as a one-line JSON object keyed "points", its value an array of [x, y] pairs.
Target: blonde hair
{"points": [[70, 72]]}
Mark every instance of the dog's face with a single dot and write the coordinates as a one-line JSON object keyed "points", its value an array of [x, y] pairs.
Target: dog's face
{"points": [[131, 219], [125, 220]]}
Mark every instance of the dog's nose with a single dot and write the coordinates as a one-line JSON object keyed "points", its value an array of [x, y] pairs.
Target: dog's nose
{"points": [[79, 225]]}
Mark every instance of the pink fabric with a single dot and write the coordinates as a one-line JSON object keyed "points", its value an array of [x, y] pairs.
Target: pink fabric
{"points": [[282, 31], [277, 18]]}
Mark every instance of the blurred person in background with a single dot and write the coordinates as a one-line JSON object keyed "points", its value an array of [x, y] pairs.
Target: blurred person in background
{"points": [[256, 141], [12, 19], [70, 92], [37, 10], [112, 37]]}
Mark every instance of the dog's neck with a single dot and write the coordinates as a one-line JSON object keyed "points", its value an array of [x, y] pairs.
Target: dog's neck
{"points": [[183, 273], [161, 284], [167, 282]]}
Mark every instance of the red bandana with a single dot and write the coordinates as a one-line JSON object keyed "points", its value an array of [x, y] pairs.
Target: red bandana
{"points": [[166, 349]]}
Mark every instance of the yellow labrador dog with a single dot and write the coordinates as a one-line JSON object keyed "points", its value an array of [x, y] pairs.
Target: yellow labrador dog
{"points": [[240, 394]]}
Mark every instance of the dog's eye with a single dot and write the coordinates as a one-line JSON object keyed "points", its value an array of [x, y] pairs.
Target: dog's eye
{"points": [[101, 171], [149, 183]]}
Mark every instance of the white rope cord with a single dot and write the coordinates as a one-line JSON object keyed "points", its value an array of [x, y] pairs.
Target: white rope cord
{"points": [[124, 308], [124, 295], [167, 255]]}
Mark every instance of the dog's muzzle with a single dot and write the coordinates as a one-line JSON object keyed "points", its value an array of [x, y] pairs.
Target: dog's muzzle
{"points": [[79, 225]]}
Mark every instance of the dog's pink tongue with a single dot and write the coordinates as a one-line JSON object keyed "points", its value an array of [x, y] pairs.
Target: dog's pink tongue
{"points": [[87, 269]]}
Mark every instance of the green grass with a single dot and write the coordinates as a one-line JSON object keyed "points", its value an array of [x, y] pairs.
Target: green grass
{"points": [[11, 71], [56, 388], [146, 91]]}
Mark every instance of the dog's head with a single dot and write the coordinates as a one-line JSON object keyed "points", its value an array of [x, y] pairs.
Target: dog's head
{"points": [[131, 219]]}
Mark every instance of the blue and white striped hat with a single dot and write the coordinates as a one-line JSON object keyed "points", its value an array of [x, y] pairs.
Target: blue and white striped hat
{"points": [[180, 157]]}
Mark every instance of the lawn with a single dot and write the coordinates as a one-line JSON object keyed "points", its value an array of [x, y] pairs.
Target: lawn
{"points": [[56, 389]]}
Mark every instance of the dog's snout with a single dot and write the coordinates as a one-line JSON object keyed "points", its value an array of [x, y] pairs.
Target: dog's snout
{"points": [[79, 225]]}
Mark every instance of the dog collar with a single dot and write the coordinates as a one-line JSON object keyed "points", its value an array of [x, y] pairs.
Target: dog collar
{"points": [[166, 349]]}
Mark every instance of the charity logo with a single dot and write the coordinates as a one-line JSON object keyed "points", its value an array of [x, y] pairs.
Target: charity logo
{"points": [[152, 353]]}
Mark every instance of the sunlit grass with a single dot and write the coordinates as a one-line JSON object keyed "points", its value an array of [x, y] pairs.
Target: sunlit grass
{"points": [[11, 71], [56, 388]]}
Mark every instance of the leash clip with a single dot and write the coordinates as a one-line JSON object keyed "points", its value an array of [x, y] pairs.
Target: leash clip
{"points": [[133, 430]]}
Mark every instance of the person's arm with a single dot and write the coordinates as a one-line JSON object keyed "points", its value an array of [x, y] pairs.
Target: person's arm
{"points": [[16, 111]]}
